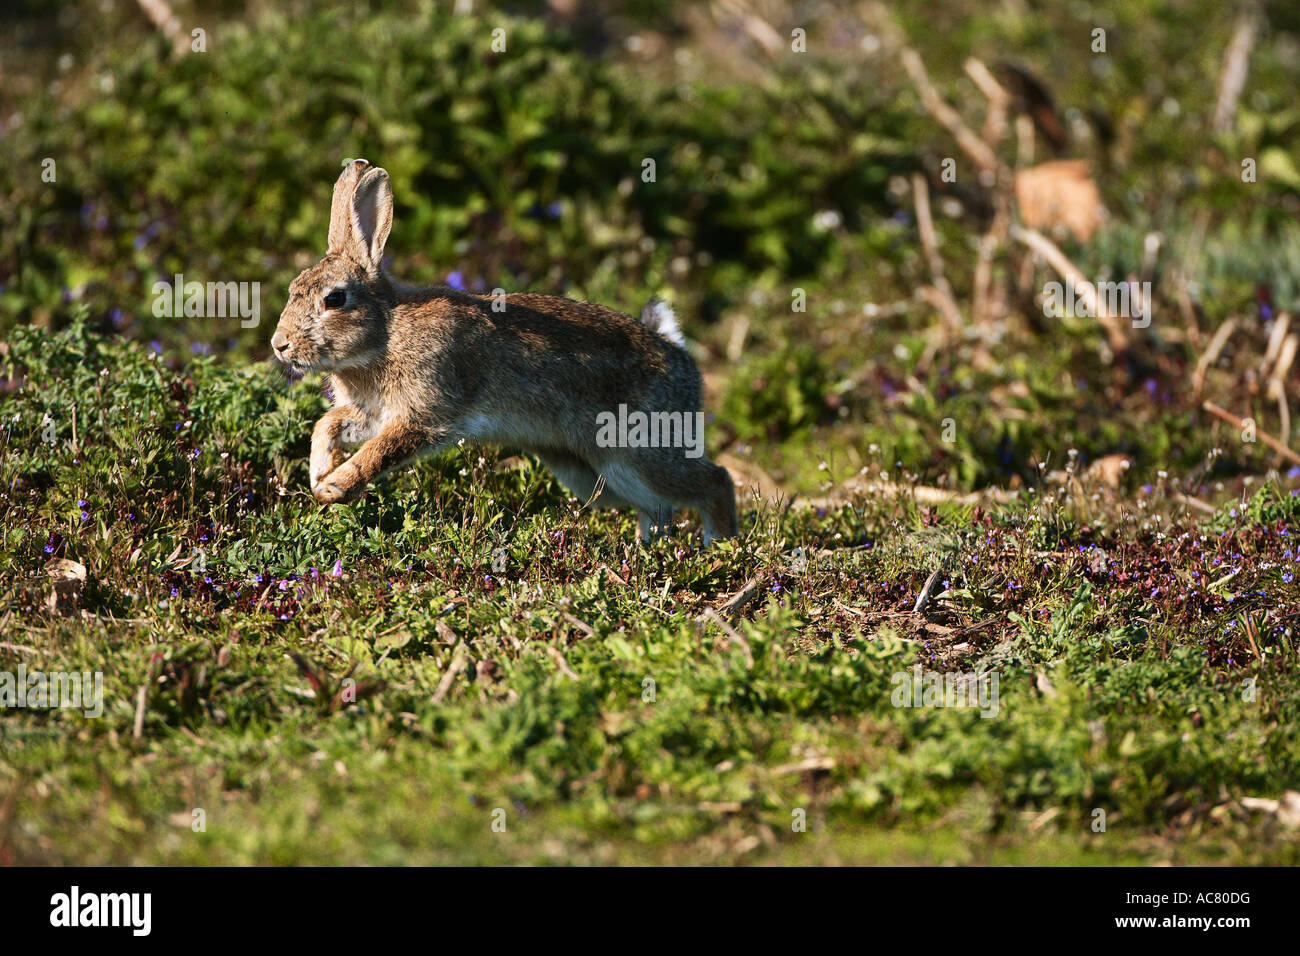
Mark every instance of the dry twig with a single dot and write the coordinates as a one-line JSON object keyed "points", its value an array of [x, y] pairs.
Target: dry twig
{"points": [[1221, 336], [1236, 63], [1082, 288], [160, 14], [936, 106], [1240, 424]]}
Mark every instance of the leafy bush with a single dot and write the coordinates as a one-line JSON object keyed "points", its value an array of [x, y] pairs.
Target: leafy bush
{"points": [[523, 170], [774, 395]]}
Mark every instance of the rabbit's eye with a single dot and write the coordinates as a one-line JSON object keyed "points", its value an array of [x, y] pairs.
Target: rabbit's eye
{"points": [[335, 299]]}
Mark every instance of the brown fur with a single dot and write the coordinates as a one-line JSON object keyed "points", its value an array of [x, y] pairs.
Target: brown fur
{"points": [[414, 369]]}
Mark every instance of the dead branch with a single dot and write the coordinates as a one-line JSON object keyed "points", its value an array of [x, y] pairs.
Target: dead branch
{"points": [[1277, 381], [160, 14], [944, 300], [1070, 272], [995, 121], [1221, 336], [1188, 308], [1240, 424], [922, 494], [711, 615], [924, 597], [936, 106], [561, 664], [1024, 142], [444, 685], [1275, 340], [1236, 63]]}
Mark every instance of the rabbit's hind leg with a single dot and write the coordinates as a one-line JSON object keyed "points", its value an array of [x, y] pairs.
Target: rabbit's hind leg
{"points": [[580, 479], [628, 481], [694, 483], [717, 505], [655, 522]]}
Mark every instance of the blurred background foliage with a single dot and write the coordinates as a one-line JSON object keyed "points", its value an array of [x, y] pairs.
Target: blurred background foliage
{"points": [[774, 172], [521, 169]]}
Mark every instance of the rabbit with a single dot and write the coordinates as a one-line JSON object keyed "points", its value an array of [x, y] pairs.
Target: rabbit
{"points": [[414, 369]]}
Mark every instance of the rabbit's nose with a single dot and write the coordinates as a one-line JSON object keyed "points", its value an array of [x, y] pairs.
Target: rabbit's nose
{"points": [[280, 342]]}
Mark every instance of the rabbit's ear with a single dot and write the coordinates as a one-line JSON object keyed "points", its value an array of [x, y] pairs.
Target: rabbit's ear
{"points": [[341, 208], [372, 217]]}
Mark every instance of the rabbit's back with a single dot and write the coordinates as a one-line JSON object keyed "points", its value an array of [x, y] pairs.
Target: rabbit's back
{"points": [[534, 371]]}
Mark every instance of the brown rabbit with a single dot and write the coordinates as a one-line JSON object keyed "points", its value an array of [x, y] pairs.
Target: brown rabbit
{"points": [[606, 402]]}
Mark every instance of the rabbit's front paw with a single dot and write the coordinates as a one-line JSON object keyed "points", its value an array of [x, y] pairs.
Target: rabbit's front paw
{"points": [[324, 463], [343, 484]]}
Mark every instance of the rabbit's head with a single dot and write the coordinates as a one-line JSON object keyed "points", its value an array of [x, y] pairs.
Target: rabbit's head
{"points": [[337, 313]]}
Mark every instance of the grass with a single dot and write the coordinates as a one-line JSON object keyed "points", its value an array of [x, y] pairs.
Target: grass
{"points": [[511, 654]]}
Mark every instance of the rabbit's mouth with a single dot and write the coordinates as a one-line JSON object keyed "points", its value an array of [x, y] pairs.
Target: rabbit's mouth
{"points": [[291, 355], [294, 366]]}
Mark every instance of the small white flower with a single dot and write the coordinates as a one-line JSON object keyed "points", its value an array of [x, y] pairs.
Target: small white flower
{"points": [[826, 220]]}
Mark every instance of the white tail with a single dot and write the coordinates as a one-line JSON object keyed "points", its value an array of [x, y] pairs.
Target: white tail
{"points": [[658, 316]]}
